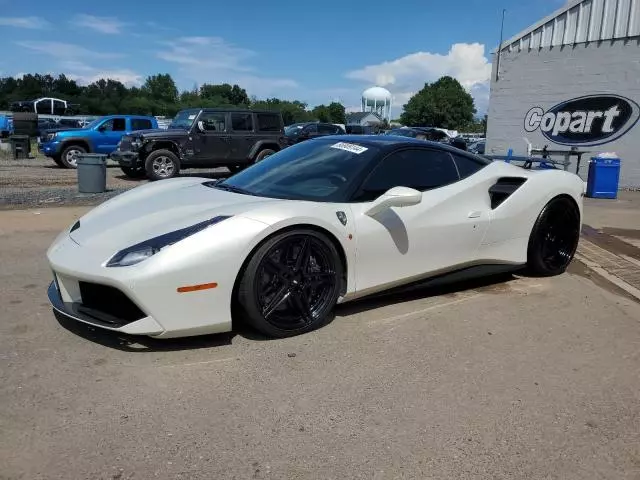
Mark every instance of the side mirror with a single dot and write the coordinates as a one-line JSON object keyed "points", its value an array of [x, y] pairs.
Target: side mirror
{"points": [[201, 126], [395, 197]]}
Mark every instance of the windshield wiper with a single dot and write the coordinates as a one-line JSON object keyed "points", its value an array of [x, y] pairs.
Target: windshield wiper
{"points": [[233, 188]]}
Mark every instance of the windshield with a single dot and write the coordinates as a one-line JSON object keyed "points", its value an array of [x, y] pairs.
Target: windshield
{"points": [[294, 129], [321, 170], [93, 123], [184, 119]]}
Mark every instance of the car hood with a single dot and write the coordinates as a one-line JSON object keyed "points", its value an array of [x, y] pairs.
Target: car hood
{"points": [[158, 208], [58, 130]]}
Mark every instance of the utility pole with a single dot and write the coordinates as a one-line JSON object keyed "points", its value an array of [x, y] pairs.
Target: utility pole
{"points": [[500, 46]]}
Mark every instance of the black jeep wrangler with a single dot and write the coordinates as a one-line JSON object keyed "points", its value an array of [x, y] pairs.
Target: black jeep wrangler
{"points": [[202, 138]]}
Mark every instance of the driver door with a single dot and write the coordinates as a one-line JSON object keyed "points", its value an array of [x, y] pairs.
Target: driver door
{"points": [[109, 134], [405, 244], [211, 138]]}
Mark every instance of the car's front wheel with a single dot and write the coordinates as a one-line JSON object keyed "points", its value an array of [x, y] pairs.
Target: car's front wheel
{"points": [[291, 284], [554, 238], [264, 154], [69, 157], [162, 164]]}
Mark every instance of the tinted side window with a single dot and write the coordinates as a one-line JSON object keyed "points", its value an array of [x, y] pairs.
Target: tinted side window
{"points": [[421, 169], [141, 124], [268, 122], [119, 125], [327, 129], [313, 128], [241, 121], [213, 122], [467, 166]]}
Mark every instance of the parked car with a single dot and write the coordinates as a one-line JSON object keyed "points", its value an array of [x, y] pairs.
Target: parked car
{"points": [[6, 126], [63, 145], [360, 130], [45, 106], [299, 132], [477, 147], [429, 133], [202, 138]]}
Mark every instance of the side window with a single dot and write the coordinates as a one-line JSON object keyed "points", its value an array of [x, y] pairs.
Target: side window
{"points": [[422, 169], [141, 124], [107, 126], [213, 122], [466, 166], [58, 107], [312, 128], [326, 129], [44, 106], [119, 125], [242, 122], [268, 122]]}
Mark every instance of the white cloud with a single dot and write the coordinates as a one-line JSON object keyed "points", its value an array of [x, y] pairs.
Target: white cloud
{"points": [[34, 23], [64, 50], [108, 25], [204, 59], [406, 75], [85, 74]]}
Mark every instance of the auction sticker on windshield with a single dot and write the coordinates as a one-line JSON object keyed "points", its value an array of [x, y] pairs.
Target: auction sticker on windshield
{"points": [[350, 147]]}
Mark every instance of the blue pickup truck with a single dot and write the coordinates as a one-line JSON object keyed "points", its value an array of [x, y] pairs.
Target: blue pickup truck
{"points": [[100, 136]]}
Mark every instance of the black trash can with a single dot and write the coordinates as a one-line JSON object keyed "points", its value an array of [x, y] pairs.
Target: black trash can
{"points": [[20, 146], [92, 173]]}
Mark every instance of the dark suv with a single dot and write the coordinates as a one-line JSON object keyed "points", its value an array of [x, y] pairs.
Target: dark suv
{"points": [[202, 138], [299, 132]]}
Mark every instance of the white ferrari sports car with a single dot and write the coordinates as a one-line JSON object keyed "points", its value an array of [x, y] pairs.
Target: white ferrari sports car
{"points": [[322, 222]]}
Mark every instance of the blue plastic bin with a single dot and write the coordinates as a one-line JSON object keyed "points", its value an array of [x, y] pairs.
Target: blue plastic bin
{"points": [[604, 177]]}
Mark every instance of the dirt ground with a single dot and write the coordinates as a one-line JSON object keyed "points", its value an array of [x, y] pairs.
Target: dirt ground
{"points": [[512, 378]]}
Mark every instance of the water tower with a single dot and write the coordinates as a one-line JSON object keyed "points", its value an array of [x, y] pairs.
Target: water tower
{"points": [[377, 100]]}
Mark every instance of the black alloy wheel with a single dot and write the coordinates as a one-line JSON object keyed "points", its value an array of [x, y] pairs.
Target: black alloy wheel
{"points": [[554, 238], [291, 284]]}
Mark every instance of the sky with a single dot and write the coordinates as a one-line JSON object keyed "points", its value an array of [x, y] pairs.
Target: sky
{"points": [[316, 52]]}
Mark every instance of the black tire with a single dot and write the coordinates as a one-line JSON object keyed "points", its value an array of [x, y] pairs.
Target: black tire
{"points": [[262, 154], [276, 286], [554, 238], [162, 164], [69, 155], [58, 161], [132, 172]]}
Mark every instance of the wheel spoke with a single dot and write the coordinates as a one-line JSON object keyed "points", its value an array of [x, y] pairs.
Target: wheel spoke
{"points": [[301, 303], [278, 299], [281, 271], [302, 260], [315, 280]]}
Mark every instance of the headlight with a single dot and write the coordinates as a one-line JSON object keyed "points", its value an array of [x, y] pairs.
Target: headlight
{"points": [[140, 252]]}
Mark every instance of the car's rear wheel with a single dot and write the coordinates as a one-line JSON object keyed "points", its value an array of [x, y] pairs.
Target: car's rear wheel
{"points": [[291, 284], [69, 157], [133, 172], [162, 164], [554, 238], [264, 154]]}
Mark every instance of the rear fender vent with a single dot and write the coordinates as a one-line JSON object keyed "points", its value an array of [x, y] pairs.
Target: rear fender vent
{"points": [[503, 188]]}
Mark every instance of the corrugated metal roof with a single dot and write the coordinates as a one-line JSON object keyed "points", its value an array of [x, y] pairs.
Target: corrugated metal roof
{"points": [[580, 21]]}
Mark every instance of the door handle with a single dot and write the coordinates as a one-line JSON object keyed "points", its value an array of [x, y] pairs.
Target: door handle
{"points": [[474, 214]]}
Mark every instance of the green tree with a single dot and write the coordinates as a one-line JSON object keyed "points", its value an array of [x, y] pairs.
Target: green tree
{"points": [[230, 94], [161, 88], [444, 103], [337, 113]]}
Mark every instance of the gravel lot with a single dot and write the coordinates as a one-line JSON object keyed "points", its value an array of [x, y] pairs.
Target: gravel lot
{"points": [[517, 378], [40, 182]]}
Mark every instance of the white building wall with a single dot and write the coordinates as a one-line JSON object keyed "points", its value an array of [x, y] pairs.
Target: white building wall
{"points": [[546, 76]]}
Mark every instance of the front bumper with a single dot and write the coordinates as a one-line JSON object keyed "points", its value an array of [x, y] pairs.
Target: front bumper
{"points": [[126, 159], [49, 149]]}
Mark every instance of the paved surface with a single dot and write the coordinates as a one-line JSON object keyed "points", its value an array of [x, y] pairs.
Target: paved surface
{"points": [[520, 378]]}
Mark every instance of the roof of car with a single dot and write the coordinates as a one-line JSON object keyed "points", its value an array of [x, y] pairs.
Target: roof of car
{"points": [[391, 142]]}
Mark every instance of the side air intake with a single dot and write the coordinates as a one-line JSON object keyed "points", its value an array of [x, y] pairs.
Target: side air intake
{"points": [[503, 188]]}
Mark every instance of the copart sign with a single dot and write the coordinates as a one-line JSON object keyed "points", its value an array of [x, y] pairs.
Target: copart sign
{"points": [[585, 121]]}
